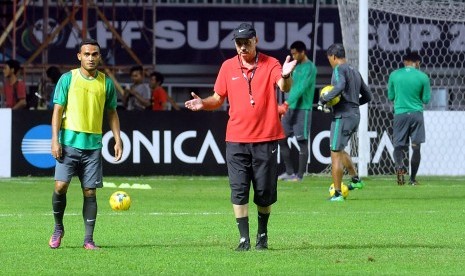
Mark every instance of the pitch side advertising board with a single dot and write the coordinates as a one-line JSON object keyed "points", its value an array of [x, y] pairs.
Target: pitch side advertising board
{"points": [[155, 143], [192, 143]]}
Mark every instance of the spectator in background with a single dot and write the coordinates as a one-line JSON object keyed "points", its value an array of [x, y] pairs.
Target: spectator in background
{"points": [[137, 96], [159, 95], [53, 75], [14, 89]]}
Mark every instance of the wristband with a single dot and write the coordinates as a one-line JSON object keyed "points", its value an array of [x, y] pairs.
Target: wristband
{"points": [[285, 76]]}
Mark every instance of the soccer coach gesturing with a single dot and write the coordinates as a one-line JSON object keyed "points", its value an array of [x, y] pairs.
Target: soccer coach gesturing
{"points": [[249, 81]]}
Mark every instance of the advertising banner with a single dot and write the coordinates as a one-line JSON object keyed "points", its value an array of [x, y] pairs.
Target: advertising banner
{"points": [[5, 142], [192, 143], [180, 35], [155, 143]]}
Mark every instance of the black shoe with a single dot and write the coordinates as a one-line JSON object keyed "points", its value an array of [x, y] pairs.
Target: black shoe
{"points": [[413, 182], [262, 242], [244, 245]]}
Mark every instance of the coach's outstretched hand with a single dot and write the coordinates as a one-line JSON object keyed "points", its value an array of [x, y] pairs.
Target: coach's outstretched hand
{"points": [[195, 104], [288, 66]]}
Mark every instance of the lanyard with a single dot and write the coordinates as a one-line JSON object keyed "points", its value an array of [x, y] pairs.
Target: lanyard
{"points": [[249, 81]]}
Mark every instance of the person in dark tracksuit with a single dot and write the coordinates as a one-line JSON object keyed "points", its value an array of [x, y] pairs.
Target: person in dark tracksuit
{"points": [[349, 85]]}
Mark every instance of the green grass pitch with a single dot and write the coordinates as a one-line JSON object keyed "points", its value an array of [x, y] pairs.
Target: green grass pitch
{"points": [[185, 226]]}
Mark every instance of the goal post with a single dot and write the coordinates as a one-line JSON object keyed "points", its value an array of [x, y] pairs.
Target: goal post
{"points": [[376, 35], [364, 142]]}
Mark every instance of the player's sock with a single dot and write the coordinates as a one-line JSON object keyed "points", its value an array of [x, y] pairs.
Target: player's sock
{"points": [[355, 179], [89, 213], [399, 157], [416, 157], [243, 225], [263, 223], [303, 157], [59, 206], [286, 156], [353, 182]]}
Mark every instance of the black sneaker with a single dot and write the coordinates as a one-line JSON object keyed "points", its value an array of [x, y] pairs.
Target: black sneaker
{"points": [[244, 245], [262, 242], [400, 176], [413, 182]]}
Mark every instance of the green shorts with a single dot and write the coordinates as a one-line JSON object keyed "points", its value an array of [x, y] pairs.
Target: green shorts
{"points": [[342, 129]]}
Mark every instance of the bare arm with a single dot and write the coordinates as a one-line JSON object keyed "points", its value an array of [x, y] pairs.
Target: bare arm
{"points": [[125, 97], [21, 104], [210, 103], [56, 125], [142, 100], [173, 103], [113, 122], [19, 89], [285, 82]]}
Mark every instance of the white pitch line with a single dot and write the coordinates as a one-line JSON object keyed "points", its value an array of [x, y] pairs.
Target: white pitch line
{"points": [[187, 214], [6, 215]]}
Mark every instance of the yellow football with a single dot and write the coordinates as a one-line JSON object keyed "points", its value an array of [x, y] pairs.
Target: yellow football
{"points": [[325, 90], [120, 201], [344, 190]]}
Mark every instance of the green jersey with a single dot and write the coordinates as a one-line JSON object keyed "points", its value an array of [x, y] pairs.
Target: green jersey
{"points": [[409, 88], [303, 86]]}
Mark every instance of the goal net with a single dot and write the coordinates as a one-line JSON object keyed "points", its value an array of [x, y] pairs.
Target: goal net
{"points": [[436, 29]]}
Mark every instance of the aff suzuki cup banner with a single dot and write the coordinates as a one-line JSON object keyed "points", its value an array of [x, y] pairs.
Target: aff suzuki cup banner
{"points": [[155, 143], [180, 35], [203, 35]]}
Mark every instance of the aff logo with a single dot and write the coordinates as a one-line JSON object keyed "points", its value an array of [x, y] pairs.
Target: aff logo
{"points": [[36, 147]]}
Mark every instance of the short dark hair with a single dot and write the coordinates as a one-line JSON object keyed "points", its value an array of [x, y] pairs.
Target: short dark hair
{"points": [[412, 56], [136, 68], [159, 76], [88, 41], [53, 73], [337, 50], [299, 46], [13, 64]]}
